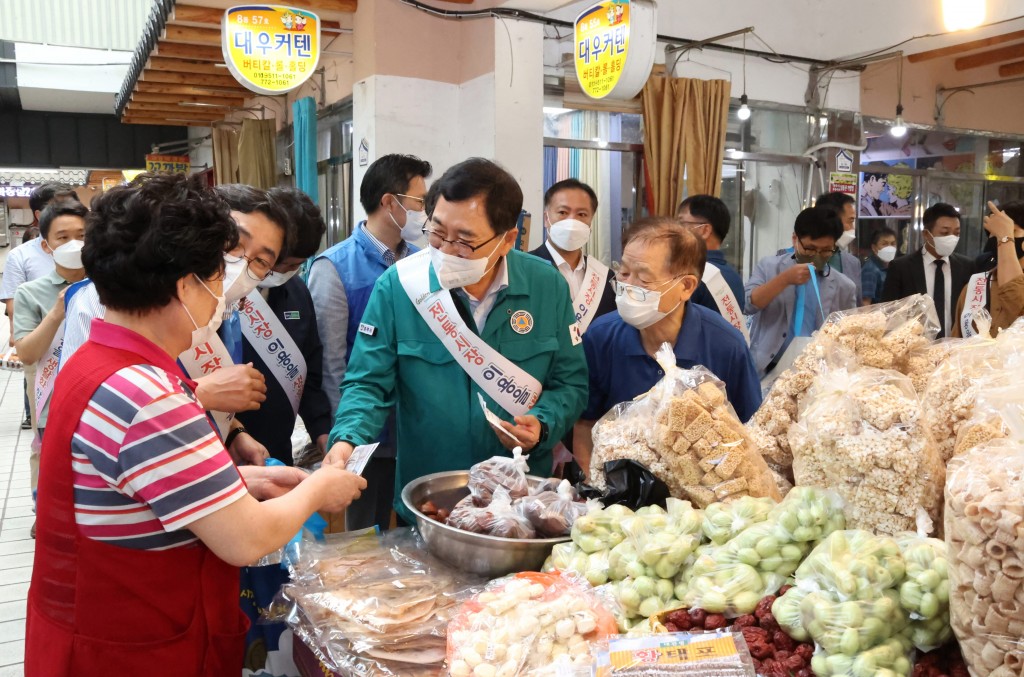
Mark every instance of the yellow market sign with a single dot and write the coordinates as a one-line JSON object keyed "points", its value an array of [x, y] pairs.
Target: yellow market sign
{"points": [[614, 47], [168, 164], [270, 49]]}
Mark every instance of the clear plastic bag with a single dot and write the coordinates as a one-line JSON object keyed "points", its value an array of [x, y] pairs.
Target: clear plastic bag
{"points": [[467, 516], [528, 624], [886, 335], [722, 521], [853, 564], [687, 434], [861, 434], [985, 539], [374, 605], [499, 471], [506, 520], [924, 593], [552, 513]]}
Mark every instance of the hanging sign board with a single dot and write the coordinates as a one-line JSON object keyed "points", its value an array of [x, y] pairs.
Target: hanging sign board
{"points": [[614, 47], [844, 161], [270, 49], [168, 164], [842, 182]]}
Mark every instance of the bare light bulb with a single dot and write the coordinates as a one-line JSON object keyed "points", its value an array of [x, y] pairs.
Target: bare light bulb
{"points": [[899, 129], [960, 15], [744, 110]]}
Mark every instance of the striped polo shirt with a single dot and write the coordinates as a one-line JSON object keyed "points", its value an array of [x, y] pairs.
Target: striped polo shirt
{"points": [[147, 463]]}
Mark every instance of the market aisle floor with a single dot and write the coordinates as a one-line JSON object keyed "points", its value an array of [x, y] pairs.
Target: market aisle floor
{"points": [[16, 546]]}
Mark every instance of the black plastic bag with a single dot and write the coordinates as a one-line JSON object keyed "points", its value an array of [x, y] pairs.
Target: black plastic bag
{"points": [[629, 483]]}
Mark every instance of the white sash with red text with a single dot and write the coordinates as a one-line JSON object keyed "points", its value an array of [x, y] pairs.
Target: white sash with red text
{"points": [[975, 300], [269, 339], [46, 370], [203, 360], [728, 305], [507, 384], [590, 294]]}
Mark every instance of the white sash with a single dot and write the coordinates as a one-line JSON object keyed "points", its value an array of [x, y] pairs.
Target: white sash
{"points": [[590, 294], [203, 360], [269, 339], [974, 300], [508, 385], [728, 304], [46, 370]]}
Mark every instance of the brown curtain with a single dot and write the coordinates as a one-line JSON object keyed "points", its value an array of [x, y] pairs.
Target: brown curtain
{"points": [[257, 153], [684, 127], [225, 155]]}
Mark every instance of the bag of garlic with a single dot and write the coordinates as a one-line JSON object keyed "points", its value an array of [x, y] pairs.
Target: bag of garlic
{"points": [[861, 434], [985, 542], [528, 624], [894, 335], [687, 434]]}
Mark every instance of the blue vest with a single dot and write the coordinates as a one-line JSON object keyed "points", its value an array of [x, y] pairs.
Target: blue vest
{"points": [[359, 263]]}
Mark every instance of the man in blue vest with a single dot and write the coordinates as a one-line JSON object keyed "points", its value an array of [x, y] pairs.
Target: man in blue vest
{"points": [[392, 194]]}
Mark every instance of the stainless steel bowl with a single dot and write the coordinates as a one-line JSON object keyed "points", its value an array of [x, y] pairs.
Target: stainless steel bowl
{"points": [[479, 554]]}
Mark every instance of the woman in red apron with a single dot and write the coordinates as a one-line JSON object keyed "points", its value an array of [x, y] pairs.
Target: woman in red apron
{"points": [[142, 519]]}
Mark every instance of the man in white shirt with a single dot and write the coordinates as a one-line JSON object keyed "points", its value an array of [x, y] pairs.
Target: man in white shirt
{"points": [[917, 273], [569, 209], [28, 262]]}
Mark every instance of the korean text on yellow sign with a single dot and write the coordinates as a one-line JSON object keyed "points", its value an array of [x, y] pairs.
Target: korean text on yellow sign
{"points": [[168, 164], [270, 49], [602, 43]]}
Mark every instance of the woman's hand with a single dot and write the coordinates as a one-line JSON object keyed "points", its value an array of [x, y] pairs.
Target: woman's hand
{"points": [[340, 487], [998, 224], [265, 482]]}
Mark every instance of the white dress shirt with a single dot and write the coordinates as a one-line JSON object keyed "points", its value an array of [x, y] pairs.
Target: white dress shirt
{"points": [[929, 279], [25, 263], [575, 277], [482, 308]]}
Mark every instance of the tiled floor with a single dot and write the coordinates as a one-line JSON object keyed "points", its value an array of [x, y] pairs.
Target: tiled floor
{"points": [[16, 546]]}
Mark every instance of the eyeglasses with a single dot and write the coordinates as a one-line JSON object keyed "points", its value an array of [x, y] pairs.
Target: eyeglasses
{"points": [[813, 251], [693, 224], [461, 248], [637, 293], [258, 269], [412, 197]]}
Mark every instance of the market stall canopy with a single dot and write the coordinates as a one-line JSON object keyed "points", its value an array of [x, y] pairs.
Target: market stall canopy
{"points": [[178, 75]]}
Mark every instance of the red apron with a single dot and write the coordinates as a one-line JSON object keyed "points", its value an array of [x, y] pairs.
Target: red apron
{"points": [[96, 609]]}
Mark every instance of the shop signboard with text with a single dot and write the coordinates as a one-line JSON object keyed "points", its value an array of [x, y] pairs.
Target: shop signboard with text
{"points": [[270, 49], [168, 164], [614, 47]]}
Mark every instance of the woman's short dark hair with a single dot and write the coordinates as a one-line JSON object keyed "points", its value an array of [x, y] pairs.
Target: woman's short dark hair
{"points": [[687, 253], [144, 237], [307, 224], [818, 222], [503, 198]]}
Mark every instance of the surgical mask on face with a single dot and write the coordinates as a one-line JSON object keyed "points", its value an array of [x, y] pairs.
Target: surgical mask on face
{"points": [[945, 245], [641, 314], [569, 234], [846, 238], [237, 281], [887, 254], [69, 255], [819, 261], [454, 272], [413, 228], [276, 279], [203, 334]]}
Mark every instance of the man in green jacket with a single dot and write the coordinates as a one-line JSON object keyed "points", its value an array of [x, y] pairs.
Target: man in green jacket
{"points": [[466, 317]]}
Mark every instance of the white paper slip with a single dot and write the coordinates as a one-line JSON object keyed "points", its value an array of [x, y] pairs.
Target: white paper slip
{"points": [[493, 419], [360, 457]]}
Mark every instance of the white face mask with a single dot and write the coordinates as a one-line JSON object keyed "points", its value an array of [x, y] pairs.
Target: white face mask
{"points": [[412, 231], [641, 314], [276, 279], [569, 234], [69, 255], [454, 272], [945, 245], [201, 335], [237, 281], [887, 254], [846, 238]]}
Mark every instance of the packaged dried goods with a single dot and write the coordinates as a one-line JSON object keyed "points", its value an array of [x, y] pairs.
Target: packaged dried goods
{"points": [[528, 624], [686, 433], [711, 654], [985, 542], [378, 604], [862, 435]]}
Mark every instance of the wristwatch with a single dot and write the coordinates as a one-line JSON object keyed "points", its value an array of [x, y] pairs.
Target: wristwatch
{"points": [[544, 433], [1006, 238], [235, 432]]}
